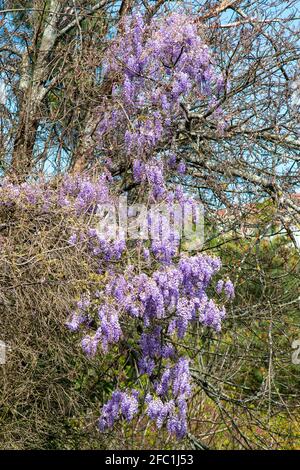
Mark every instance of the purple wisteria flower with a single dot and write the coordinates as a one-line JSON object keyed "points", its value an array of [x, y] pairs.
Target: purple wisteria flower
{"points": [[120, 405], [164, 68], [229, 289], [219, 286], [149, 312], [164, 62]]}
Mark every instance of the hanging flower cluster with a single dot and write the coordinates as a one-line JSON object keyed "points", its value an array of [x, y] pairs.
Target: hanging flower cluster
{"points": [[166, 304], [163, 65], [78, 194]]}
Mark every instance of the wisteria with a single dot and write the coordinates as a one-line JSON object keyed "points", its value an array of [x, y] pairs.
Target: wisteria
{"points": [[155, 296], [164, 64], [225, 286], [166, 303], [75, 193], [120, 404], [173, 412]]}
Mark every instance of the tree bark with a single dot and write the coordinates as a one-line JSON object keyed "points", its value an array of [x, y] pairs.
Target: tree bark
{"points": [[32, 94], [22, 157]]}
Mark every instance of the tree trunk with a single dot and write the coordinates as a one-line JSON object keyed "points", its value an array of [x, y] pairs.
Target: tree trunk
{"points": [[33, 92], [22, 156], [84, 153]]}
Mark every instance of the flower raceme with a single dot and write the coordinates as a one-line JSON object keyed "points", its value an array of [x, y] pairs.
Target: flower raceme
{"points": [[165, 67], [166, 303]]}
